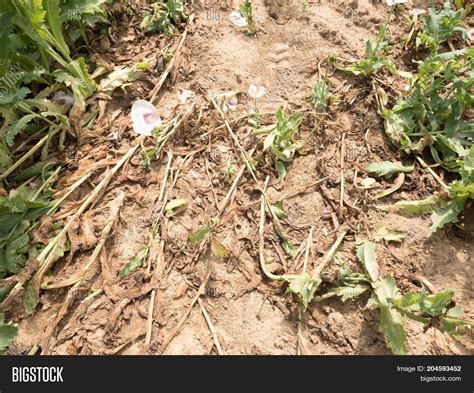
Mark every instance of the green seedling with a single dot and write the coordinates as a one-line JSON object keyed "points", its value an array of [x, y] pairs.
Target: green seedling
{"points": [[441, 26], [166, 16], [205, 233], [279, 140], [321, 95], [246, 10], [375, 56]]}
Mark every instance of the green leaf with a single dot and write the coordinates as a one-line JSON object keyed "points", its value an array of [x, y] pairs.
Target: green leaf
{"points": [[278, 211], [346, 293], [18, 126], [414, 208], [52, 16], [453, 323], [122, 76], [436, 304], [30, 300], [304, 286], [281, 169], [368, 258], [446, 215], [173, 205], [218, 249], [389, 235], [11, 252], [7, 333], [391, 326], [136, 262], [387, 291], [410, 302], [388, 169], [198, 236]]}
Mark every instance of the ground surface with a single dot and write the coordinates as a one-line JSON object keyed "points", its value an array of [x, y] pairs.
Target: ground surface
{"points": [[250, 314]]}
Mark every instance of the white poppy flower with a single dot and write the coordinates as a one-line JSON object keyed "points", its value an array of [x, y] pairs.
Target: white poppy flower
{"points": [[237, 19], [470, 34], [392, 2], [184, 95], [256, 92], [145, 117]]}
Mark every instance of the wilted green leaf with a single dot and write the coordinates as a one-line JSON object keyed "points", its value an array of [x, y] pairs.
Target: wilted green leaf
{"points": [[368, 258], [388, 169], [391, 326], [218, 249], [346, 293], [122, 76], [446, 215], [174, 205], [413, 208], [7, 333], [389, 235], [198, 236], [136, 262], [30, 300], [305, 286]]}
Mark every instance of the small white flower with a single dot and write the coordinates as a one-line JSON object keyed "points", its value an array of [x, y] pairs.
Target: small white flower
{"points": [[237, 19], [233, 102], [392, 2], [470, 34], [145, 117], [184, 95], [256, 92]]}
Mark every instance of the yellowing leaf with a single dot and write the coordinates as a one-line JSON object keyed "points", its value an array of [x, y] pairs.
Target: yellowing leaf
{"points": [[389, 235]]}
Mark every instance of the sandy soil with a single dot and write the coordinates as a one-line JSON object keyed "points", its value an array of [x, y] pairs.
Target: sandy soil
{"points": [[250, 314]]}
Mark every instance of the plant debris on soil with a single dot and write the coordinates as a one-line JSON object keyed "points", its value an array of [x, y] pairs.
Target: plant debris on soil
{"points": [[243, 217]]}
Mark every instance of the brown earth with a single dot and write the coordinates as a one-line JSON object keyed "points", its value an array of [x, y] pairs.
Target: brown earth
{"points": [[250, 314]]}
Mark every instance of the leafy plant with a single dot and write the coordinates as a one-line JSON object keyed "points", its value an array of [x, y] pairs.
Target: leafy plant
{"points": [[164, 17], [279, 139], [19, 214], [440, 26], [321, 95], [205, 233], [375, 56], [8, 332], [392, 305], [246, 10], [434, 113]]}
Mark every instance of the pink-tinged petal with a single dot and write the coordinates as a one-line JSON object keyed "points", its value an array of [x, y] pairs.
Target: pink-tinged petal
{"points": [[256, 92], [252, 92], [261, 92], [145, 117], [470, 34], [233, 102], [237, 19]]}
